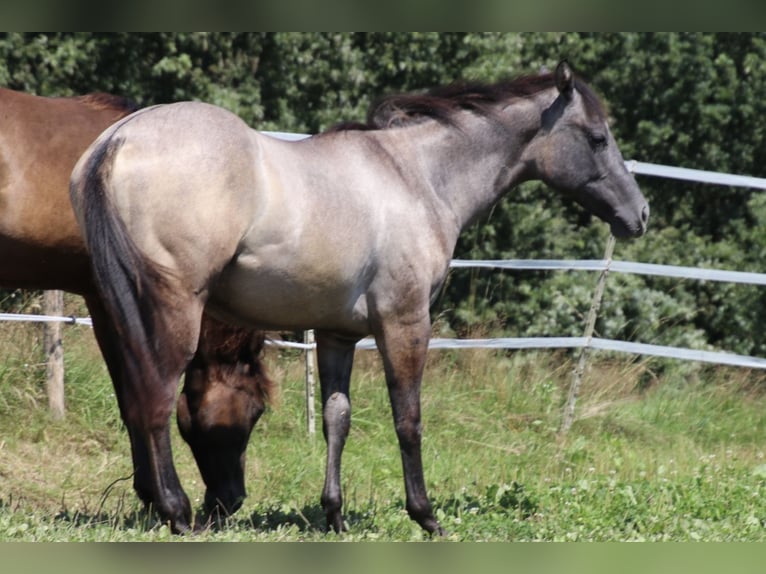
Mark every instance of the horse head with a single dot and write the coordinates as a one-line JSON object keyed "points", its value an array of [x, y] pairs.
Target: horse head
{"points": [[225, 392], [575, 152]]}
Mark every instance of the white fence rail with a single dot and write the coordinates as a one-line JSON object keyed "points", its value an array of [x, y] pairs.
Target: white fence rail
{"points": [[678, 272], [24, 317]]}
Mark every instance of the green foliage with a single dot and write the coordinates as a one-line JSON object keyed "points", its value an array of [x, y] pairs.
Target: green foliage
{"points": [[685, 99]]}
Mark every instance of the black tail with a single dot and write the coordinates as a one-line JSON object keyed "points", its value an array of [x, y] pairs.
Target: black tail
{"points": [[129, 284]]}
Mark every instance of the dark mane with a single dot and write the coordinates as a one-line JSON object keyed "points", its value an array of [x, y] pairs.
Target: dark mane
{"points": [[442, 102], [349, 126]]}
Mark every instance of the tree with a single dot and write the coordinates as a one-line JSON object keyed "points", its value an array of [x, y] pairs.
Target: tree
{"points": [[686, 99]]}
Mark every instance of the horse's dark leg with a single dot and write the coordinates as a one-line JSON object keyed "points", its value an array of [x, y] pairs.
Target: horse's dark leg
{"points": [[404, 348], [107, 341], [146, 387], [150, 396], [170, 500], [335, 357], [148, 403]]}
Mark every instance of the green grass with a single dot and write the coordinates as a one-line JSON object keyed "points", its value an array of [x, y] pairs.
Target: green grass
{"points": [[659, 451]]}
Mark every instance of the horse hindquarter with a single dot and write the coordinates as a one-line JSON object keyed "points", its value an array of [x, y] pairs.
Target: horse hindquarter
{"points": [[152, 260]]}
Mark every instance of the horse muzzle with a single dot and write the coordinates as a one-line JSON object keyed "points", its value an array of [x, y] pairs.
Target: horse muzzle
{"points": [[224, 501], [633, 224]]}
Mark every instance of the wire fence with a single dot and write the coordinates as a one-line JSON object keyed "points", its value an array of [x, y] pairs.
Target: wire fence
{"points": [[552, 342]]}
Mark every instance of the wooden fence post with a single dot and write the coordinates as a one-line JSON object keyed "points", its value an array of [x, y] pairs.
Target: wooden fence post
{"points": [[308, 338], [590, 325], [53, 305]]}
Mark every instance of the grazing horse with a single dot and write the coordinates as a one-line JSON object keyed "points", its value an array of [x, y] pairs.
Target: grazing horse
{"points": [[41, 247], [185, 209]]}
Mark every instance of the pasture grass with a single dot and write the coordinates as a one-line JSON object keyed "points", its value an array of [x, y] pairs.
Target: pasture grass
{"points": [[660, 450]]}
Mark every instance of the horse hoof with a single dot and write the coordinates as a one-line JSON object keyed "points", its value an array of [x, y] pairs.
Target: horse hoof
{"points": [[433, 528], [181, 527], [336, 524]]}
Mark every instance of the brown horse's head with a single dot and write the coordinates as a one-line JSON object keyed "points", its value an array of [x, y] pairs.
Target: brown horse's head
{"points": [[224, 394]]}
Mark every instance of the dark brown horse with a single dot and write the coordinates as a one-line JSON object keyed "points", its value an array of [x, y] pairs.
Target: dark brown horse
{"points": [[185, 209], [41, 248]]}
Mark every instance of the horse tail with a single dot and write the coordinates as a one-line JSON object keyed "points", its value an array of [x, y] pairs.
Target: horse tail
{"points": [[130, 284]]}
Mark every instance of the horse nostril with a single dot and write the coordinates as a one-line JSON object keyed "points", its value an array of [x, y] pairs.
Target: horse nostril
{"points": [[645, 215]]}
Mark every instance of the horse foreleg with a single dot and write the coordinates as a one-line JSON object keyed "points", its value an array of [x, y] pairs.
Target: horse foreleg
{"points": [[404, 348], [335, 359]]}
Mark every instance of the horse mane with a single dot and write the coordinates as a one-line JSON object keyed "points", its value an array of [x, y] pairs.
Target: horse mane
{"points": [[443, 102], [229, 349], [103, 101]]}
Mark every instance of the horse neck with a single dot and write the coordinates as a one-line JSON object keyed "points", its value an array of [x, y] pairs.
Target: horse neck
{"points": [[472, 164]]}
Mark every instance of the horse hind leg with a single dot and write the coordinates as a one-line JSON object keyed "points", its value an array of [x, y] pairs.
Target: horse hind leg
{"points": [[149, 395], [335, 358], [108, 342]]}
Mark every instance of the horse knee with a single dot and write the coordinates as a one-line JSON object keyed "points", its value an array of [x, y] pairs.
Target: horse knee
{"points": [[337, 417], [409, 431]]}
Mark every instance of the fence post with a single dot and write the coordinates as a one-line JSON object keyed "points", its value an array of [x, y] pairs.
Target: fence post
{"points": [[53, 305], [590, 325], [308, 338]]}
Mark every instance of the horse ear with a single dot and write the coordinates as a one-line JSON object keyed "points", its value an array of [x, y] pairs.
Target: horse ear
{"points": [[564, 78]]}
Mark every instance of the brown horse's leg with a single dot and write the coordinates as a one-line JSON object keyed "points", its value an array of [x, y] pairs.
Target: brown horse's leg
{"points": [[335, 357], [108, 341], [404, 348]]}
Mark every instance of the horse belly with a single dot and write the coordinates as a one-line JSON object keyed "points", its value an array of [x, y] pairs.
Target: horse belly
{"points": [[279, 299]]}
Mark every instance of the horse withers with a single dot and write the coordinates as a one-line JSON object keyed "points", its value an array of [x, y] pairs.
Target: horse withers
{"points": [[186, 209], [41, 247]]}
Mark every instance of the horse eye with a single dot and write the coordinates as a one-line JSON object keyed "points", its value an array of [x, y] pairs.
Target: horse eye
{"points": [[597, 141]]}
